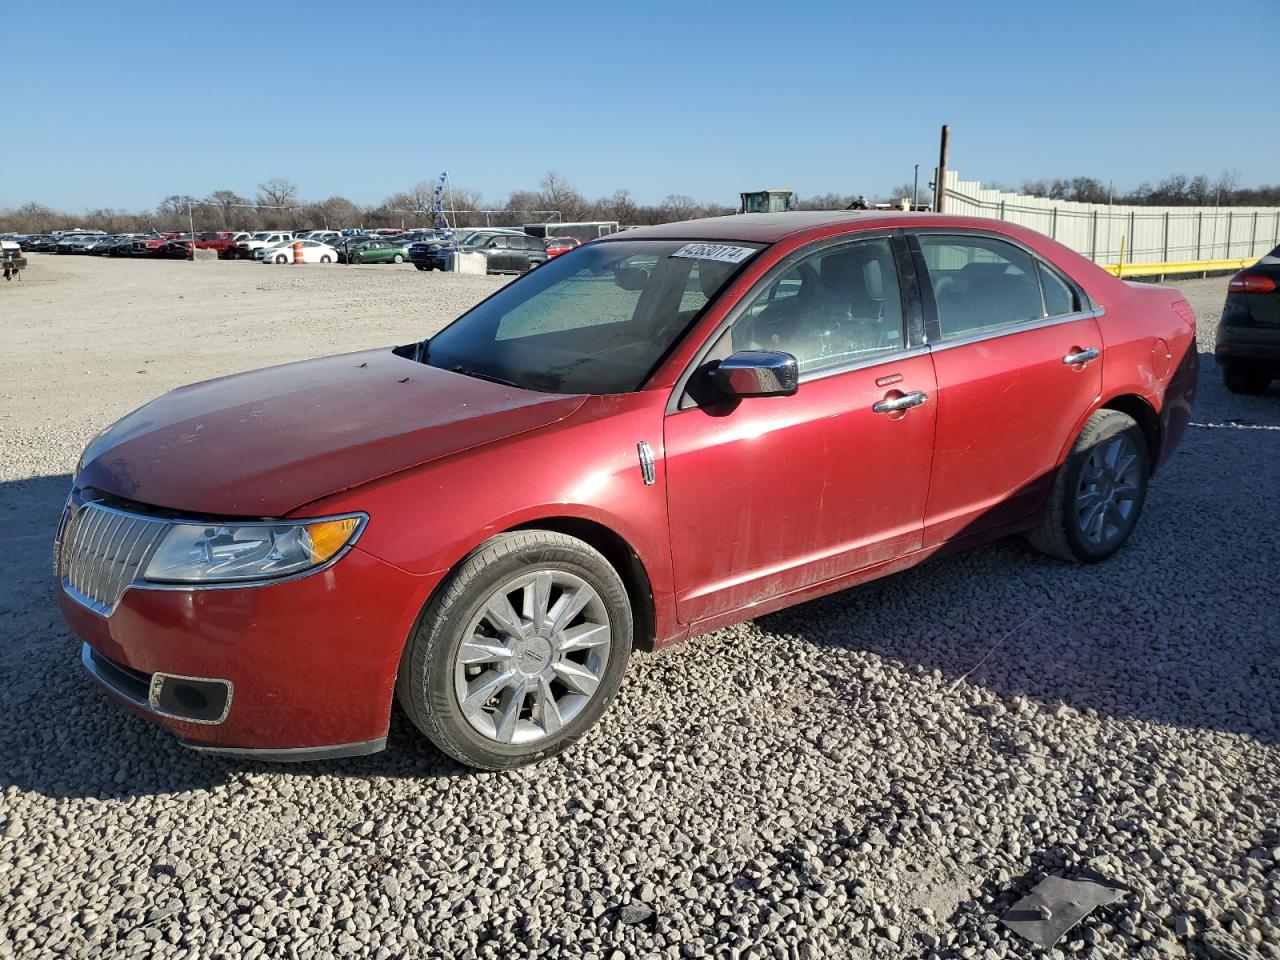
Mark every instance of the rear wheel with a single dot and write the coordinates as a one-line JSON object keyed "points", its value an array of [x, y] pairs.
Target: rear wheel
{"points": [[1098, 493], [520, 652], [1245, 378], [282, 259], [325, 258]]}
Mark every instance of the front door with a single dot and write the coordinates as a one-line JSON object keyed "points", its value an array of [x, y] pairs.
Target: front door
{"points": [[1018, 365], [768, 495]]}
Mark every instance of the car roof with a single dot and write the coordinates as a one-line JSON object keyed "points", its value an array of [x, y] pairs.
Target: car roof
{"points": [[772, 227]]}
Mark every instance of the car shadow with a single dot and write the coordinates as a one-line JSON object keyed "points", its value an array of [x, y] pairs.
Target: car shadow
{"points": [[1176, 629]]}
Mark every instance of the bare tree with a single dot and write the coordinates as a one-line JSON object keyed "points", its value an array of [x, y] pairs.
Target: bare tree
{"points": [[558, 194], [277, 192], [228, 208], [621, 206]]}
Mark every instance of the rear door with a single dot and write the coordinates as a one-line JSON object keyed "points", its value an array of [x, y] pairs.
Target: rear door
{"points": [[1016, 351]]}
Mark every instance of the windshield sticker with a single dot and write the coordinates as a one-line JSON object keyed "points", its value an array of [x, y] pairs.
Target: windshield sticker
{"points": [[714, 251]]}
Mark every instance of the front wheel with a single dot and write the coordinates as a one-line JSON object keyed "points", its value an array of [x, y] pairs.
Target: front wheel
{"points": [[1245, 378], [356, 259], [282, 259], [1097, 493], [397, 259], [520, 652]]}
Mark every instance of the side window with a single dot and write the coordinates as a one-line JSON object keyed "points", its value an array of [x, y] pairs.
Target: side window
{"points": [[835, 307], [980, 283], [1059, 298]]}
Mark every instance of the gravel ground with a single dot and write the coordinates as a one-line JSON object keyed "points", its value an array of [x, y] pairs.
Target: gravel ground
{"points": [[876, 774]]}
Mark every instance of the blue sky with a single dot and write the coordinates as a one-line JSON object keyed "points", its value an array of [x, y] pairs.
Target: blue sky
{"points": [[124, 103]]}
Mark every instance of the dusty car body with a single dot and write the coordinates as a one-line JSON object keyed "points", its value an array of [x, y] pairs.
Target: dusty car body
{"points": [[824, 399]]}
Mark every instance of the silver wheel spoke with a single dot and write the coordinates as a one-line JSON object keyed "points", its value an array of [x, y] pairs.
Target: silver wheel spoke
{"points": [[1126, 491], [569, 606], [1089, 517], [548, 709], [477, 698], [584, 637], [502, 615], [576, 677], [479, 650], [1097, 524], [1116, 516], [537, 599], [509, 712], [1087, 499]]}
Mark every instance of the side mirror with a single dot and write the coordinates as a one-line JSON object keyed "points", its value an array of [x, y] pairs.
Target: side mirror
{"points": [[756, 373]]}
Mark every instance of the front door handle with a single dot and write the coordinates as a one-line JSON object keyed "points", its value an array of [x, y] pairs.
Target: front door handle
{"points": [[904, 401], [1080, 356]]}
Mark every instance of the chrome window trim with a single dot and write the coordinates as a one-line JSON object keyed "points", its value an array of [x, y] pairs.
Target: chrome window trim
{"points": [[1015, 328], [140, 583], [878, 360], [771, 276]]}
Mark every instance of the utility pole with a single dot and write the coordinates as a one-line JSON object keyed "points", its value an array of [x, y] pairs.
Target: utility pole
{"points": [[940, 188], [915, 188]]}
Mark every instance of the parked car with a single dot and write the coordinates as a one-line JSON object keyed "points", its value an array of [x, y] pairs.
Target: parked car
{"points": [[375, 251], [559, 245], [1247, 342], [507, 251], [246, 249], [423, 252], [313, 251], [671, 398], [226, 242]]}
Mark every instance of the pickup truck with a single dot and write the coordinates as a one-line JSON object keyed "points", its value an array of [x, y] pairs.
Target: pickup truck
{"points": [[224, 241], [247, 248]]}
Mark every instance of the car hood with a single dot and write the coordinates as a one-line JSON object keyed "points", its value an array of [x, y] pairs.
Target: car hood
{"points": [[262, 444]]}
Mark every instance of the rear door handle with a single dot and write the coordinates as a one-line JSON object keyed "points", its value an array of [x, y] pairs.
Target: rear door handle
{"points": [[1080, 356], [904, 402]]}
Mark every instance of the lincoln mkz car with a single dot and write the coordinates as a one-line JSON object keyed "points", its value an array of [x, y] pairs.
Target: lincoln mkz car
{"points": [[652, 436]]}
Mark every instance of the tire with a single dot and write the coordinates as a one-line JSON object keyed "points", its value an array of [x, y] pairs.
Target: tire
{"points": [[355, 259], [397, 259], [1245, 378], [1098, 493], [421, 267], [325, 258], [529, 267], [432, 683]]}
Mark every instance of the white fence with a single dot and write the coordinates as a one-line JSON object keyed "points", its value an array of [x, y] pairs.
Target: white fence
{"points": [[1150, 234]]}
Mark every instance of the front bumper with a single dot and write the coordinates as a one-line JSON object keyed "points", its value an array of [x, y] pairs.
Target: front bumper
{"points": [[309, 664]]}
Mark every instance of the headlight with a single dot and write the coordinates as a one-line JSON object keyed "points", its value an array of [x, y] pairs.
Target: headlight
{"points": [[233, 552]]}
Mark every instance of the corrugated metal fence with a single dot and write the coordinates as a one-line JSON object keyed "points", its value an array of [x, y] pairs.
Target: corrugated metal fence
{"points": [[1150, 234]]}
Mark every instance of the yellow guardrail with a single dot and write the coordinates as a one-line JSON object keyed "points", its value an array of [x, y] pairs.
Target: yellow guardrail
{"points": [[1180, 267]]}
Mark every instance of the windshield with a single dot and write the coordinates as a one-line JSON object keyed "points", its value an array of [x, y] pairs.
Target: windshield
{"points": [[595, 320]]}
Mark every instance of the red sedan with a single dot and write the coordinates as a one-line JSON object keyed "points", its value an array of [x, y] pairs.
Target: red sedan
{"points": [[558, 245], [653, 436]]}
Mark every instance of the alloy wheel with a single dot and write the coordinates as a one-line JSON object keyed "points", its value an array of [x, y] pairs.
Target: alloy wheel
{"points": [[533, 657], [1107, 497]]}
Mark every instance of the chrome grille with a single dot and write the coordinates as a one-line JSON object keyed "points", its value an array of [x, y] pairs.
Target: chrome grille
{"points": [[102, 551]]}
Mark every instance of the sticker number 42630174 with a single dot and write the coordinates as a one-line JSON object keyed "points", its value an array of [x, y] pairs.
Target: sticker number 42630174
{"points": [[723, 252]]}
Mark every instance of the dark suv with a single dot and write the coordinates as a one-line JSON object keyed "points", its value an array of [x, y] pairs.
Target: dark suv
{"points": [[1247, 345], [506, 252]]}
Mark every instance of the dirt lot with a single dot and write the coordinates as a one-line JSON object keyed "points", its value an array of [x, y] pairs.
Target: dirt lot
{"points": [[860, 776]]}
